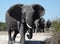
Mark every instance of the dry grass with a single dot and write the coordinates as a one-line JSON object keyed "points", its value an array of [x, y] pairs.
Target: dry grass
{"points": [[3, 32], [55, 39]]}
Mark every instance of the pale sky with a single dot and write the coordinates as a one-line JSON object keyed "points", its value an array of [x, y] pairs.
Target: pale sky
{"points": [[52, 7]]}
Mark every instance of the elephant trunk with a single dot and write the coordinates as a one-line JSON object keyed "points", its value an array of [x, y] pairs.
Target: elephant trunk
{"points": [[30, 34], [29, 31], [30, 28]]}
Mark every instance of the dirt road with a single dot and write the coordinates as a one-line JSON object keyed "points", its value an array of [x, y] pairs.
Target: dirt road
{"points": [[38, 38]]}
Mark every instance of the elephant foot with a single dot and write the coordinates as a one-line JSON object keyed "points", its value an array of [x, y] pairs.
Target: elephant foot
{"points": [[22, 42], [43, 31], [29, 36], [11, 42]]}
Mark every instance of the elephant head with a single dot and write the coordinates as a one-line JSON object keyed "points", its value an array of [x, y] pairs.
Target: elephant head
{"points": [[22, 13], [27, 13]]}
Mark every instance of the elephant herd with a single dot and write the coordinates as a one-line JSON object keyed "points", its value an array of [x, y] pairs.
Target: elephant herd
{"points": [[20, 18], [41, 25]]}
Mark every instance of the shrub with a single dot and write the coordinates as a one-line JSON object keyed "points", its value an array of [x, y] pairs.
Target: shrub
{"points": [[56, 25], [2, 26], [55, 39]]}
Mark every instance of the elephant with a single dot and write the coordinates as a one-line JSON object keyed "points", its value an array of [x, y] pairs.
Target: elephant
{"points": [[20, 19], [48, 24], [41, 25]]}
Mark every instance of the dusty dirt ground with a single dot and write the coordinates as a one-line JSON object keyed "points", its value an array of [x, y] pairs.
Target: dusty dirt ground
{"points": [[38, 38]]}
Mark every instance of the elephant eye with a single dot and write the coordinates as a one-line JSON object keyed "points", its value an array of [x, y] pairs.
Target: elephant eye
{"points": [[23, 11]]}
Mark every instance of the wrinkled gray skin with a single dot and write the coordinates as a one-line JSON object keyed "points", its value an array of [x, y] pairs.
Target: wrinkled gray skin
{"points": [[20, 18]]}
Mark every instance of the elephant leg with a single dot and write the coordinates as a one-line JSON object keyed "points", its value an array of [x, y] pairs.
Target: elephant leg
{"points": [[22, 40], [34, 28], [37, 29], [14, 36], [10, 39], [40, 29], [43, 30]]}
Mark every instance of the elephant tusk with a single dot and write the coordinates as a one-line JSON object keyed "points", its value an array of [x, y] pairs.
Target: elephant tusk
{"points": [[29, 26]]}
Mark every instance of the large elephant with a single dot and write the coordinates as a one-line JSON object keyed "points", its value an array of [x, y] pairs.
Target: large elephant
{"points": [[20, 18]]}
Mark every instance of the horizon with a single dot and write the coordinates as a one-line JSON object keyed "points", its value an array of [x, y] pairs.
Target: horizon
{"points": [[52, 8]]}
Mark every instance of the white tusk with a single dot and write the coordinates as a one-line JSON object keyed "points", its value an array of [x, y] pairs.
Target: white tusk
{"points": [[29, 26]]}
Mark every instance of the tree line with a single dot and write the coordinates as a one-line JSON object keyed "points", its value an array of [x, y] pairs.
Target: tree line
{"points": [[3, 26], [55, 25]]}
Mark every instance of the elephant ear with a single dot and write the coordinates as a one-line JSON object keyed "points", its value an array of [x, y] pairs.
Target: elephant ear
{"points": [[37, 11], [16, 11]]}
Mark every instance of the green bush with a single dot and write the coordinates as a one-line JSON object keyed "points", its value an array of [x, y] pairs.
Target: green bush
{"points": [[2, 26], [56, 25]]}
